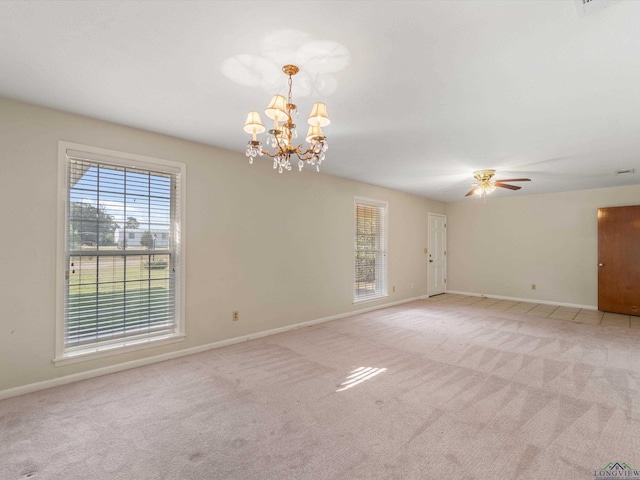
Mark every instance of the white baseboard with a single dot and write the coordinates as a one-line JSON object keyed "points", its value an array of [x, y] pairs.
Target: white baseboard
{"points": [[57, 382], [529, 300]]}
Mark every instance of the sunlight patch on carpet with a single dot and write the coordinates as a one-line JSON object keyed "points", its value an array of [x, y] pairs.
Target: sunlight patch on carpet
{"points": [[359, 375]]}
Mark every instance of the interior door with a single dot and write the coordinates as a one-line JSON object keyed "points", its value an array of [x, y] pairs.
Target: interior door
{"points": [[619, 260], [437, 254]]}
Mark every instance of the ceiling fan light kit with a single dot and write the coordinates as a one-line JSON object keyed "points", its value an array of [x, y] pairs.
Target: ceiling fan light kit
{"points": [[486, 184], [281, 136]]}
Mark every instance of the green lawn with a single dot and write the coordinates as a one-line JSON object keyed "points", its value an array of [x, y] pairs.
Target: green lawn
{"points": [[103, 315], [111, 273], [111, 296]]}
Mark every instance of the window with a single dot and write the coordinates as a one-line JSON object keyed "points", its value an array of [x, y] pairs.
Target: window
{"points": [[370, 249], [121, 290]]}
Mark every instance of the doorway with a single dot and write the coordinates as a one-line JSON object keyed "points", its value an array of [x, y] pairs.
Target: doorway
{"points": [[437, 250], [619, 260]]}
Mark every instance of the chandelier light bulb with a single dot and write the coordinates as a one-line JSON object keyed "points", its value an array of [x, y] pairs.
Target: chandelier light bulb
{"points": [[254, 125], [319, 117], [313, 132], [277, 109]]}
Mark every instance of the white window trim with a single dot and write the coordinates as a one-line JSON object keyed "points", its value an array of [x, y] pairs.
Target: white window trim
{"points": [[374, 203], [63, 357]]}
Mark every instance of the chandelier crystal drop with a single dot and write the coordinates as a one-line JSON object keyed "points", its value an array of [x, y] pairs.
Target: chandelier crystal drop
{"points": [[283, 111]]}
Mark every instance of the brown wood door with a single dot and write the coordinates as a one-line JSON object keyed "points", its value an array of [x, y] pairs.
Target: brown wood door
{"points": [[619, 260]]}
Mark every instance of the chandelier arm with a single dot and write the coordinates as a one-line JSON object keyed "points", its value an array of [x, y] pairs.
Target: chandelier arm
{"points": [[301, 154], [269, 154], [281, 150]]}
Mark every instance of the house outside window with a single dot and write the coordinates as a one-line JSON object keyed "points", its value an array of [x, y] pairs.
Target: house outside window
{"points": [[370, 252], [116, 295]]}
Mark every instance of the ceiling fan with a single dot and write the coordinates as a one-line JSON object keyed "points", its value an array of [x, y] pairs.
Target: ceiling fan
{"points": [[486, 184]]}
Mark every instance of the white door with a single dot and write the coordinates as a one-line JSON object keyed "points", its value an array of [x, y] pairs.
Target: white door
{"points": [[437, 251]]}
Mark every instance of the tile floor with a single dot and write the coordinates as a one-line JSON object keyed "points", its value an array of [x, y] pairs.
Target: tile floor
{"points": [[580, 315]]}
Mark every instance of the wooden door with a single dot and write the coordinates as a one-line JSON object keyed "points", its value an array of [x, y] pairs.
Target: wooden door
{"points": [[437, 254], [619, 260]]}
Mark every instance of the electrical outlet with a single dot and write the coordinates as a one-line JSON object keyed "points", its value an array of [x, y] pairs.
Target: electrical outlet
{"points": [[236, 315], [533, 286]]}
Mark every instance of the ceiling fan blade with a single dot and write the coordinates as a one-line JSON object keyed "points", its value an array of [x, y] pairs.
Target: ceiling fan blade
{"points": [[504, 185], [514, 180], [472, 191]]}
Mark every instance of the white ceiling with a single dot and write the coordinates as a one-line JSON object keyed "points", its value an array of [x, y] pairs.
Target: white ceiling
{"points": [[420, 94]]}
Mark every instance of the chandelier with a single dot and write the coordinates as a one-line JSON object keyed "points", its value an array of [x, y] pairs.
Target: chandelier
{"points": [[283, 111]]}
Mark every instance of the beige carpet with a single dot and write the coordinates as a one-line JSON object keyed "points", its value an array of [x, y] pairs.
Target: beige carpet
{"points": [[427, 390]]}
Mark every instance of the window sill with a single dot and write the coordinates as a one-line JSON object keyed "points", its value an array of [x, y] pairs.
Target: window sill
{"points": [[126, 346], [370, 299]]}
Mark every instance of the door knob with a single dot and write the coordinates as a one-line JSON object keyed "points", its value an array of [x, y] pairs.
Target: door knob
{"points": [[601, 264], [430, 261]]}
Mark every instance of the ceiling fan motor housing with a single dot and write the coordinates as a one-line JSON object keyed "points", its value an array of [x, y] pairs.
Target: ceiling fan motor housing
{"points": [[484, 176]]}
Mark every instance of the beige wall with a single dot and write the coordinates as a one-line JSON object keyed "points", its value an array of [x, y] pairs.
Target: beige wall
{"points": [[278, 248], [502, 246]]}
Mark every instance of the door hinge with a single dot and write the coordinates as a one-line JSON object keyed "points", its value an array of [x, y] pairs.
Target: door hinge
{"points": [[445, 254], [445, 225], [445, 280]]}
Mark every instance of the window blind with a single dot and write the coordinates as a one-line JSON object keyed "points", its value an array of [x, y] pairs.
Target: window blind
{"points": [[370, 248], [122, 251]]}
